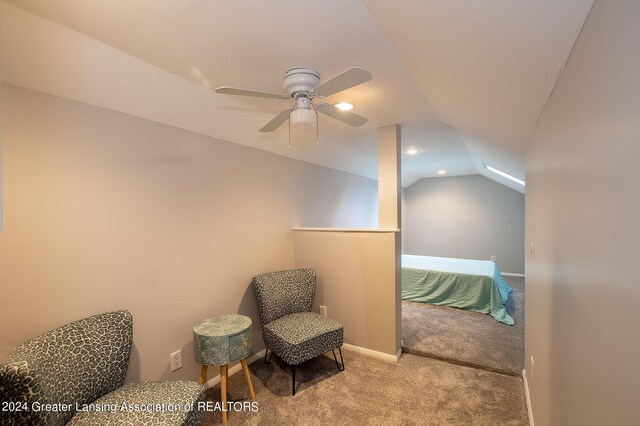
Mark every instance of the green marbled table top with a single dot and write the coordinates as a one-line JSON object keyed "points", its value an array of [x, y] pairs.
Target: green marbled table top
{"points": [[224, 325]]}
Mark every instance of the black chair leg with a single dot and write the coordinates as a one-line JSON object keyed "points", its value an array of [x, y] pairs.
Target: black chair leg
{"points": [[293, 379], [266, 351], [340, 368]]}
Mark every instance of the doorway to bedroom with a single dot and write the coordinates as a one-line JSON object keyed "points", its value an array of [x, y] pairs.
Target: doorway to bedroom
{"points": [[463, 271]]}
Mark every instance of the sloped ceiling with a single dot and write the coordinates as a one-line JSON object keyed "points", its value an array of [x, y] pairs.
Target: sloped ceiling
{"points": [[487, 68], [466, 79]]}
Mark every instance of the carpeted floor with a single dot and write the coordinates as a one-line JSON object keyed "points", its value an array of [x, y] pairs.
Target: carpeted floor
{"points": [[467, 338], [416, 390]]}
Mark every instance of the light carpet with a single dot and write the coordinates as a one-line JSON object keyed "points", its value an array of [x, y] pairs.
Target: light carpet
{"points": [[465, 337], [415, 391]]}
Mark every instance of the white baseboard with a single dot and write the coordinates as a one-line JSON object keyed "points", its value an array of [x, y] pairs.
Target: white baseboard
{"points": [[233, 370], [511, 274], [370, 352], [527, 397]]}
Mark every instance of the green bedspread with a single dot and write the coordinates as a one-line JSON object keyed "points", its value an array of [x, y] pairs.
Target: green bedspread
{"points": [[479, 287]]}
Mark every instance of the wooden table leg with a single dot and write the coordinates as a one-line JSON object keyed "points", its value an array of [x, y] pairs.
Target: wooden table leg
{"points": [[223, 390], [243, 361], [203, 375]]}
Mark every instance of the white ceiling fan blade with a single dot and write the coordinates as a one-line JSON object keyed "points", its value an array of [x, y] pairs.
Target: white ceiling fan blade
{"points": [[225, 90], [346, 117], [349, 78], [277, 121]]}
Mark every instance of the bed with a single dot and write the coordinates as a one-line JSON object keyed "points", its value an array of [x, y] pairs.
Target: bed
{"points": [[475, 285]]}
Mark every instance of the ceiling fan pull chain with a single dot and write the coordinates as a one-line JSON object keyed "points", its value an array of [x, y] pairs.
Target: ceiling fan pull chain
{"points": [[317, 127], [289, 120], [317, 124]]}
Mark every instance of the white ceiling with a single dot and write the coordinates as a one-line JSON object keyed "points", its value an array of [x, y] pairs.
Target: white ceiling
{"points": [[485, 68]]}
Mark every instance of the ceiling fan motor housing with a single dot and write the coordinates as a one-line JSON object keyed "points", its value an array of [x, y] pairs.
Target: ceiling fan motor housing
{"points": [[300, 80]]}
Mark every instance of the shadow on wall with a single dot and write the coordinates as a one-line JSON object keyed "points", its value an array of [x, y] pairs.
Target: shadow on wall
{"points": [[133, 373], [319, 295], [249, 306]]}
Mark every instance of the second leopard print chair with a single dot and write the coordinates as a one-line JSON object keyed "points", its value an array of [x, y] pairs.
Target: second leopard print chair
{"points": [[290, 329]]}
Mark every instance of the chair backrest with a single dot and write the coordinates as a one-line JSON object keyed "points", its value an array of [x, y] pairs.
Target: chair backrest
{"points": [[284, 292], [78, 362]]}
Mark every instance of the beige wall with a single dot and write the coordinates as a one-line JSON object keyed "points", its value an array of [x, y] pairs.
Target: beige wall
{"points": [[106, 211], [469, 217], [356, 282], [582, 210]]}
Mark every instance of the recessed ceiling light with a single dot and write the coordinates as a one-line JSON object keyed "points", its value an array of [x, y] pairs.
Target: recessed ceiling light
{"points": [[504, 174], [412, 151], [442, 172], [345, 106]]}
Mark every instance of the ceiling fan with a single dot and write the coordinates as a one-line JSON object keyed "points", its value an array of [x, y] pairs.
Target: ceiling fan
{"points": [[303, 85]]}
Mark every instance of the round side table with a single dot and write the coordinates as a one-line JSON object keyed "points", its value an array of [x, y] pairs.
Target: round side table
{"points": [[220, 341]]}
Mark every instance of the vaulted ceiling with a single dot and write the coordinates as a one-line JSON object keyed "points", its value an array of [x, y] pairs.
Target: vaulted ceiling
{"points": [[466, 79]]}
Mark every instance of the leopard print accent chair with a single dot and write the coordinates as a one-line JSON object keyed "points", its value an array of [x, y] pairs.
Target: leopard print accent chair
{"points": [[284, 292], [290, 329], [78, 364]]}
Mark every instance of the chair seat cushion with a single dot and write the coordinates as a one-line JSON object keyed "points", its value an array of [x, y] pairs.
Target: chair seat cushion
{"points": [[142, 404], [301, 336]]}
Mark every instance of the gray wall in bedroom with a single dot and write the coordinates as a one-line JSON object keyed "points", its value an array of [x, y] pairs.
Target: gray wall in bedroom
{"points": [[582, 209], [468, 217], [105, 211]]}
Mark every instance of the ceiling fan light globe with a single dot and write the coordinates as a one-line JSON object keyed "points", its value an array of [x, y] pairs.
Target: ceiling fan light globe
{"points": [[303, 119]]}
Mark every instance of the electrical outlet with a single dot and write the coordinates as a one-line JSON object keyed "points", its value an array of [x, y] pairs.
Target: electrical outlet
{"points": [[323, 310], [532, 368], [176, 360], [493, 258]]}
